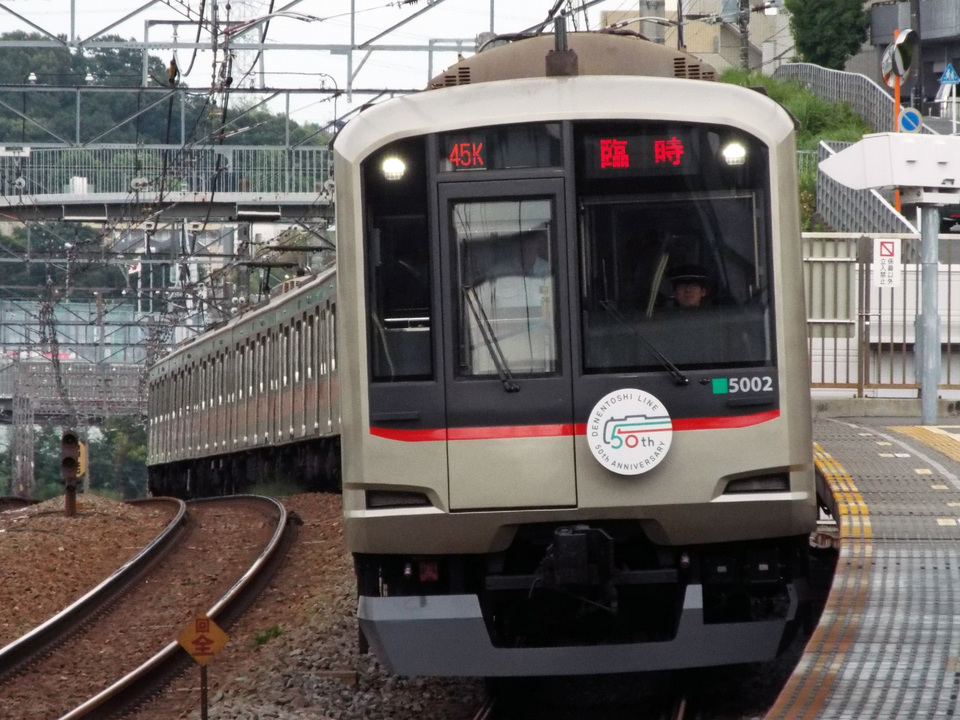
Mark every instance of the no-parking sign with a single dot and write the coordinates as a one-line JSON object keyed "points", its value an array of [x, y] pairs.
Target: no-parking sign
{"points": [[910, 120]]}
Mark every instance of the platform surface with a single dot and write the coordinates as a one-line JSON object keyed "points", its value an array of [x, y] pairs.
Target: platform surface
{"points": [[888, 642]]}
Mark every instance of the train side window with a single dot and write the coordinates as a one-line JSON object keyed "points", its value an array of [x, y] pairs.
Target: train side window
{"points": [[259, 373], [194, 388], [231, 376], [322, 344], [269, 365], [202, 405], [252, 355], [333, 338], [308, 348], [286, 357], [398, 263], [255, 354], [318, 329], [299, 371], [241, 372], [293, 348], [221, 367], [251, 367]]}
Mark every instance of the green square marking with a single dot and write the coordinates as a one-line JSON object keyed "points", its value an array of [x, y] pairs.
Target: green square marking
{"points": [[720, 386]]}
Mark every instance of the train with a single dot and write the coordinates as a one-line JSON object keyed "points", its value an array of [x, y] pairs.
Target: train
{"points": [[549, 464]]}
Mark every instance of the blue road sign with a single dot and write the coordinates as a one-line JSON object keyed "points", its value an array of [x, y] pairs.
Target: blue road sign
{"points": [[910, 120], [950, 76]]}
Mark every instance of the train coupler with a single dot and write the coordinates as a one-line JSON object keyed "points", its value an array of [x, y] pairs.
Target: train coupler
{"points": [[581, 557]]}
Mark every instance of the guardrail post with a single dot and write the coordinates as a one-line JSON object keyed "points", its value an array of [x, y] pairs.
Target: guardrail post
{"points": [[864, 267], [929, 320]]}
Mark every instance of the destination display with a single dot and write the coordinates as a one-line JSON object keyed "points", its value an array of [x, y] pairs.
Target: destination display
{"points": [[612, 154]]}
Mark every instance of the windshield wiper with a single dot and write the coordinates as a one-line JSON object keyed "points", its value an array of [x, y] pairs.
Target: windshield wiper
{"points": [[490, 340], [678, 377]]}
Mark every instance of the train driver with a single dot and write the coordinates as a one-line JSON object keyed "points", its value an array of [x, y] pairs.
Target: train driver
{"points": [[690, 286]]}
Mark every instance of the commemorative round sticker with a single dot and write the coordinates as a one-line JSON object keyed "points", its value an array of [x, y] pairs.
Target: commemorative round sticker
{"points": [[629, 431]]}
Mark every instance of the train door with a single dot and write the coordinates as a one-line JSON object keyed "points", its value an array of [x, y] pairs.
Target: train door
{"points": [[508, 387]]}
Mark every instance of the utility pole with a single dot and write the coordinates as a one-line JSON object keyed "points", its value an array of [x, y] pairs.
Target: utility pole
{"points": [[743, 22], [681, 45], [917, 60]]}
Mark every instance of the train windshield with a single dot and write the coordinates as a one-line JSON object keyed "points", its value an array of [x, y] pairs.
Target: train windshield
{"points": [[678, 257], [505, 266]]}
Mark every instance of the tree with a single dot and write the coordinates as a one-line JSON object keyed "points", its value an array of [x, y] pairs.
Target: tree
{"points": [[48, 241], [828, 32], [106, 115], [118, 458]]}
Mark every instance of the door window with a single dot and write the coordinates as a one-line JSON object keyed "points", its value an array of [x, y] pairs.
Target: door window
{"points": [[506, 286]]}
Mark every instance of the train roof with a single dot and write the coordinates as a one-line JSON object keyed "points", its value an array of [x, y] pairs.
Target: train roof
{"points": [[597, 53], [547, 99], [249, 316]]}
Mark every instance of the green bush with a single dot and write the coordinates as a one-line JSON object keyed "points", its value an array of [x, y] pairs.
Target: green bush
{"points": [[818, 120], [262, 638]]}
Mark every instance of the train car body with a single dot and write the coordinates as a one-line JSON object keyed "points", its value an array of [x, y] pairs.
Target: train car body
{"points": [[252, 400], [547, 468]]}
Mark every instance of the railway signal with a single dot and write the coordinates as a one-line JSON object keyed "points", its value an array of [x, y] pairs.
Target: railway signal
{"points": [[70, 469]]}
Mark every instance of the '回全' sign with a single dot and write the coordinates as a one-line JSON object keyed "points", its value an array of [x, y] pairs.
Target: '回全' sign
{"points": [[203, 639]]}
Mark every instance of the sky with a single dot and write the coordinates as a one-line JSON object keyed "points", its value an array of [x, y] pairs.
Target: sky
{"points": [[317, 22]]}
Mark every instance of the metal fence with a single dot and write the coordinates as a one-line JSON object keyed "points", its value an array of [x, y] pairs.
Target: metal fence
{"points": [[863, 95], [115, 331], [848, 210], [126, 169], [862, 336], [103, 390]]}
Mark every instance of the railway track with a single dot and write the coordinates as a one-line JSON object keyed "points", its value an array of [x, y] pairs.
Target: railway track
{"points": [[214, 558]]}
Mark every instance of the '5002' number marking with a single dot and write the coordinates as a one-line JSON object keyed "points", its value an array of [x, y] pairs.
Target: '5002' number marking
{"points": [[751, 384]]}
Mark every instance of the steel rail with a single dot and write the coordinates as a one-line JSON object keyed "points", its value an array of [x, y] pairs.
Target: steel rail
{"points": [[57, 628], [147, 679]]}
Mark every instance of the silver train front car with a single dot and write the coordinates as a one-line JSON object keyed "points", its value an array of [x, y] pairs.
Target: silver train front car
{"points": [[549, 466]]}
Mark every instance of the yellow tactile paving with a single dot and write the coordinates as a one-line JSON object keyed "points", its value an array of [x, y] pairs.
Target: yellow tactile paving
{"points": [[942, 438], [809, 687]]}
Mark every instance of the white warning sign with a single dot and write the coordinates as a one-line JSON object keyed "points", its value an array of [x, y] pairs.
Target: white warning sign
{"points": [[887, 270]]}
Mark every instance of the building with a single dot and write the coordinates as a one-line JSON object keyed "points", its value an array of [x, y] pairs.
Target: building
{"points": [[711, 30], [938, 25]]}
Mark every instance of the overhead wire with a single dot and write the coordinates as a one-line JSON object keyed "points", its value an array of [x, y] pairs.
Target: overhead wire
{"points": [[192, 142]]}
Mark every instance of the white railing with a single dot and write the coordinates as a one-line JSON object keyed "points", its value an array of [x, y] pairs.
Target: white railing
{"points": [[126, 169], [865, 97], [862, 336]]}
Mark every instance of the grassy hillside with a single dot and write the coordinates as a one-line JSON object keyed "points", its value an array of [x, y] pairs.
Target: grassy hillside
{"points": [[819, 120]]}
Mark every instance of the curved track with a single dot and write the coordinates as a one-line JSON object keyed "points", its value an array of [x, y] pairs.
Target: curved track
{"points": [[207, 548], [25, 649], [141, 683]]}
